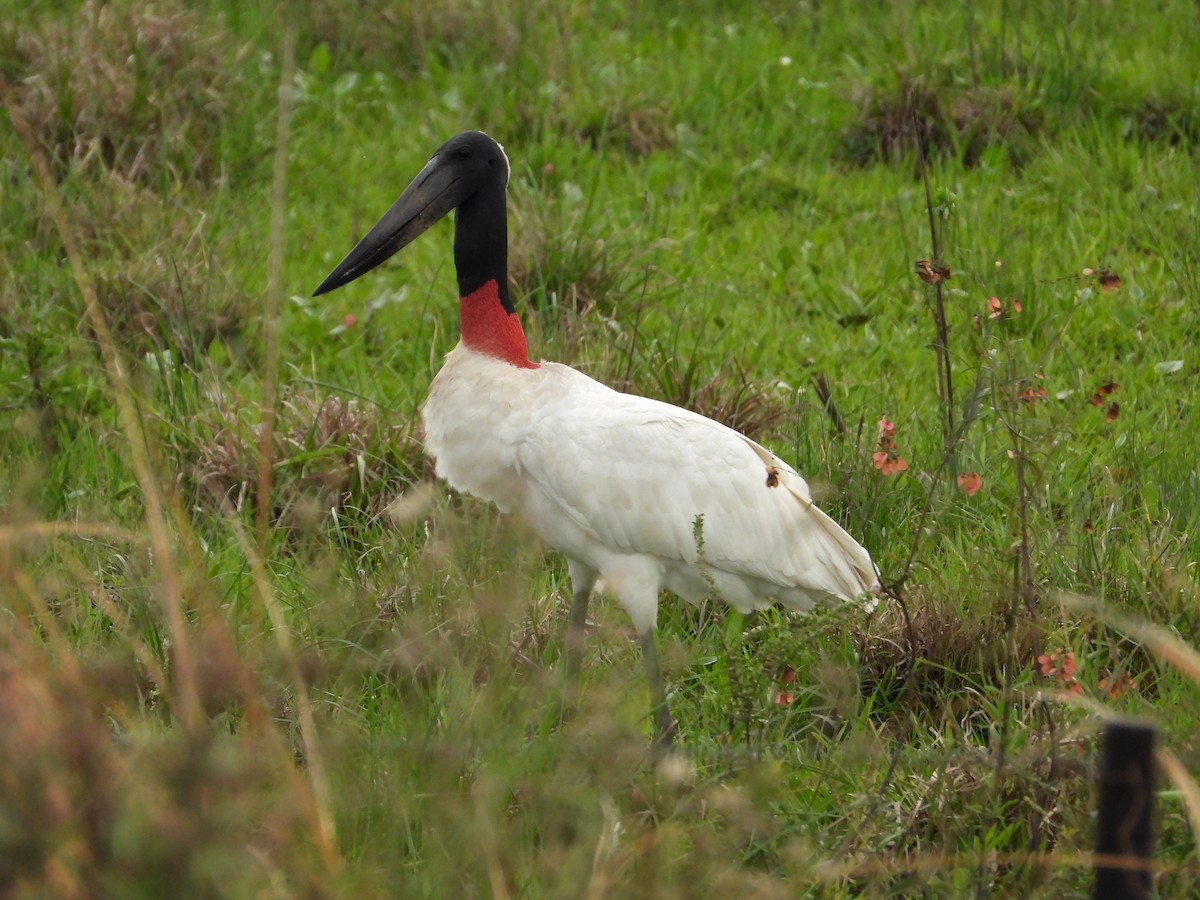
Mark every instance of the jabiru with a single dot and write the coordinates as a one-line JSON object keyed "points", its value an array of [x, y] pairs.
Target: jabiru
{"points": [[637, 494]]}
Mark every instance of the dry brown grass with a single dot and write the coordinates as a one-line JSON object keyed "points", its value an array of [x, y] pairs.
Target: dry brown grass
{"points": [[1041, 790], [1173, 120], [404, 38], [732, 398], [332, 454], [943, 645], [139, 90], [634, 129], [960, 122], [129, 98]]}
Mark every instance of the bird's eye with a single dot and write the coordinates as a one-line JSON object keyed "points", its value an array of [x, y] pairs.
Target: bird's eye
{"points": [[463, 152]]}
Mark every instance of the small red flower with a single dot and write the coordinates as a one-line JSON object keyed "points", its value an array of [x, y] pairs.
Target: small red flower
{"points": [[1116, 685], [1069, 666], [1109, 387], [970, 482], [995, 307], [1061, 668], [887, 458], [931, 272], [888, 463], [1033, 395]]}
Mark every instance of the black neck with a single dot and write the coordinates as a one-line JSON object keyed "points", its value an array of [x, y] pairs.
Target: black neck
{"points": [[481, 243]]}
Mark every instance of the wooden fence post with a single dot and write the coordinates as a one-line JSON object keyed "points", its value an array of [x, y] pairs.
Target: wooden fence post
{"points": [[1125, 829]]}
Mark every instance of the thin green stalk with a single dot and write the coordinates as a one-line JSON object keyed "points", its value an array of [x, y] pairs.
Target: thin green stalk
{"points": [[941, 342], [274, 292]]}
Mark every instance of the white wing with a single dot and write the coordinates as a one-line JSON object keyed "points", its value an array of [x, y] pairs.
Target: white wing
{"points": [[634, 475]]}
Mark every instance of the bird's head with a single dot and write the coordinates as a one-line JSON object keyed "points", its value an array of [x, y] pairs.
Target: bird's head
{"points": [[466, 166]]}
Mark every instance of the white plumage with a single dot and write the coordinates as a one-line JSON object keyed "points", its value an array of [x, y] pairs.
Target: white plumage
{"points": [[638, 495], [617, 482]]}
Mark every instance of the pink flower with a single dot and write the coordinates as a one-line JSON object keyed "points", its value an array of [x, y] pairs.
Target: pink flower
{"points": [[888, 463], [970, 482], [887, 458]]}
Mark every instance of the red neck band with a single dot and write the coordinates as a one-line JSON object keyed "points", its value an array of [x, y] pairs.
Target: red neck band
{"points": [[488, 328]]}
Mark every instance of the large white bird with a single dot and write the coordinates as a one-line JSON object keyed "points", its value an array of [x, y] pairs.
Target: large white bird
{"points": [[637, 494]]}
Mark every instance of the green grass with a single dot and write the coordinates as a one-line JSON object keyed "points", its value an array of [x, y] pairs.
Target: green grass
{"points": [[711, 205]]}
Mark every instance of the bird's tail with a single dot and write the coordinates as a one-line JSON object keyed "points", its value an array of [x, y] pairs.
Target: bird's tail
{"points": [[846, 570], [850, 571]]}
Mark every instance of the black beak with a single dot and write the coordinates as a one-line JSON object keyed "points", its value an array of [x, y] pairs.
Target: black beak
{"points": [[433, 193]]}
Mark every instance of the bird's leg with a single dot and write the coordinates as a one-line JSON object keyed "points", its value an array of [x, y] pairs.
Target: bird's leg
{"points": [[664, 725], [577, 629], [583, 580]]}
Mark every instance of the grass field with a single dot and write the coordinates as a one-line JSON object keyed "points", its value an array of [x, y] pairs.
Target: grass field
{"points": [[251, 648]]}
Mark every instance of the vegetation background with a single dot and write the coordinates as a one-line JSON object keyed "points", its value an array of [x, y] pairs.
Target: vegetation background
{"points": [[251, 648]]}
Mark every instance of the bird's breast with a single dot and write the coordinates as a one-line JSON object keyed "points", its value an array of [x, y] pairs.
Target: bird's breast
{"points": [[478, 412]]}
